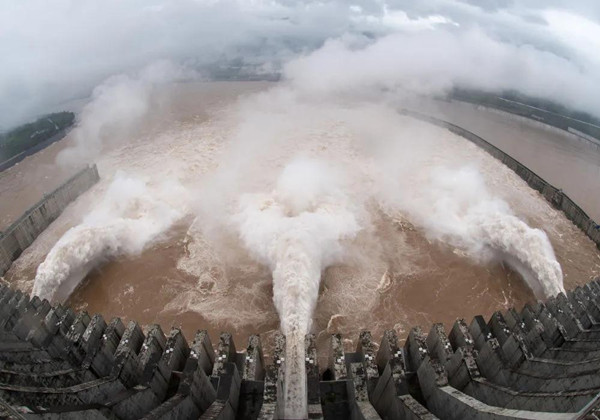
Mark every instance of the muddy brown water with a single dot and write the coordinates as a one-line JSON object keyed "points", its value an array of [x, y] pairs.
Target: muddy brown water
{"points": [[570, 164], [415, 281], [24, 184]]}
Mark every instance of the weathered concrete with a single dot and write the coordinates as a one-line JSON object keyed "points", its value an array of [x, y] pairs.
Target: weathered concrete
{"points": [[58, 364]]}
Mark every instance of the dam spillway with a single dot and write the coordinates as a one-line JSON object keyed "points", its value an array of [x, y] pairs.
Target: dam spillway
{"points": [[536, 363], [191, 277], [147, 373], [300, 210]]}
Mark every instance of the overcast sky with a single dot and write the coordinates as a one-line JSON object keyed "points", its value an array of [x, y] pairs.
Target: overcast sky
{"points": [[55, 51]]}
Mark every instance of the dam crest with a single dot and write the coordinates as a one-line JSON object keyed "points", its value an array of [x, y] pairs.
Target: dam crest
{"points": [[537, 363]]}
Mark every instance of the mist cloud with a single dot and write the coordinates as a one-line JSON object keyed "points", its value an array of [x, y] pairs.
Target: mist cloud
{"points": [[116, 108], [58, 51], [433, 62]]}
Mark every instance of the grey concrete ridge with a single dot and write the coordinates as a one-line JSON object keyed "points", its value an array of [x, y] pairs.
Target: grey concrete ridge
{"points": [[537, 363]]}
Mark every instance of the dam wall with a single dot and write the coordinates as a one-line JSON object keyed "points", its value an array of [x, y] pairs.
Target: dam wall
{"points": [[537, 363], [552, 194], [23, 232]]}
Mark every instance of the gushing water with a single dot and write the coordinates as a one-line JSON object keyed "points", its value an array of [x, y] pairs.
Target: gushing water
{"points": [[300, 228], [127, 219], [454, 206], [297, 230], [525, 249]]}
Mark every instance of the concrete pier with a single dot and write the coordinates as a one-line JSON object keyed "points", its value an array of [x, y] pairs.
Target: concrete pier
{"points": [[537, 363]]}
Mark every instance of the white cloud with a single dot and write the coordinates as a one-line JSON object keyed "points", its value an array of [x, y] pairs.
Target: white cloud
{"points": [[432, 62], [582, 35], [55, 51]]}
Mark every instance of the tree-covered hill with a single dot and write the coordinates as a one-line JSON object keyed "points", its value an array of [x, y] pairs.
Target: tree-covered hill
{"points": [[29, 135]]}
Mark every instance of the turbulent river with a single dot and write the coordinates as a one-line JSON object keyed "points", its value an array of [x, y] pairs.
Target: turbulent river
{"points": [[236, 208]]}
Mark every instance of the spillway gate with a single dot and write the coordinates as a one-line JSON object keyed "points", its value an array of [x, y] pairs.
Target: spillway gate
{"points": [[537, 363]]}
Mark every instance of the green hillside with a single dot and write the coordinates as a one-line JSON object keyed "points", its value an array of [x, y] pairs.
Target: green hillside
{"points": [[29, 135]]}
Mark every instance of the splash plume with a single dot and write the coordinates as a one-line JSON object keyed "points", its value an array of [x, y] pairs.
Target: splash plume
{"points": [[298, 230], [124, 222], [455, 206]]}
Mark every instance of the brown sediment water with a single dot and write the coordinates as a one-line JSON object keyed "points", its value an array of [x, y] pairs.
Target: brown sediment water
{"points": [[392, 277], [25, 183]]}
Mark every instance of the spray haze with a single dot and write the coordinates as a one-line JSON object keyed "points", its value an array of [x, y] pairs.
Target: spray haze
{"points": [[128, 218], [117, 109], [298, 231], [456, 207]]}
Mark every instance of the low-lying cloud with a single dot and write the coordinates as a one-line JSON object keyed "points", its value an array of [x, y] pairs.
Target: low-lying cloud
{"points": [[117, 107], [433, 62], [56, 52]]}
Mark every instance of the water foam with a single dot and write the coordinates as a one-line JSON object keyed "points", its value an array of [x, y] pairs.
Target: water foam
{"points": [[297, 230], [130, 216], [454, 206]]}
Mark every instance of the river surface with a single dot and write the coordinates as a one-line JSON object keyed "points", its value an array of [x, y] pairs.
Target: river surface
{"points": [[393, 276], [561, 159]]}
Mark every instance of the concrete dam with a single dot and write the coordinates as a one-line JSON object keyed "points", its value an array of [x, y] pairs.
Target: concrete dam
{"points": [[539, 362]]}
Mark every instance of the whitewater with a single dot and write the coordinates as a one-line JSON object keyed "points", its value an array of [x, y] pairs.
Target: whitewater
{"points": [[297, 231], [126, 220]]}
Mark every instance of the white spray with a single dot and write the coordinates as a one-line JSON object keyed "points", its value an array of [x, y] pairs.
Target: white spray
{"points": [[455, 206], [297, 231], [130, 216], [300, 228], [117, 109]]}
